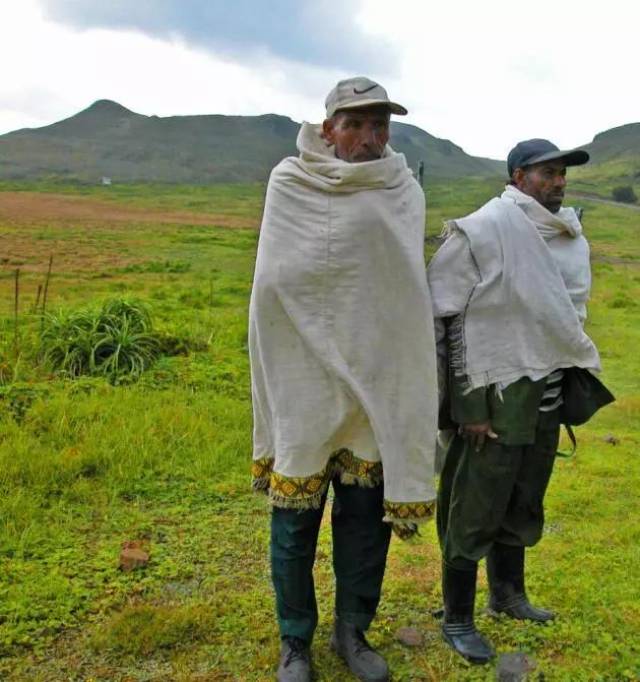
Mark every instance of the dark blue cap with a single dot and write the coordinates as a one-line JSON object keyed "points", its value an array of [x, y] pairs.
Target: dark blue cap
{"points": [[537, 150]]}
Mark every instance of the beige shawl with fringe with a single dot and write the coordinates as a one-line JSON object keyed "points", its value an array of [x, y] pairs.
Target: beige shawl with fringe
{"points": [[341, 333]]}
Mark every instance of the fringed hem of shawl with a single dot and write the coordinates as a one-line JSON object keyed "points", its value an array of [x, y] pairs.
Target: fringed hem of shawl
{"points": [[305, 492], [405, 517]]}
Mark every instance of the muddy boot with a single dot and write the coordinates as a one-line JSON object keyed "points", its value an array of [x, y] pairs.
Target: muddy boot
{"points": [[363, 661], [505, 571], [458, 627], [295, 661]]}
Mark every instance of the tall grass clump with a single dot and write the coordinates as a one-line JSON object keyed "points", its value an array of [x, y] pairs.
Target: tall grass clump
{"points": [[117, 341]]}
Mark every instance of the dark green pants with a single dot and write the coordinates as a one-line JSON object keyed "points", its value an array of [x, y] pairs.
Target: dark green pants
{"points": [[495, 495], [360, 545]]}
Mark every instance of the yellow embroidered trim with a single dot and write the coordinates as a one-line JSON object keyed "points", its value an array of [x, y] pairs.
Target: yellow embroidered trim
{"points": [[347, 465], [404, 531], [405, 516], [260, 473], [306, 492], [408, 511]]}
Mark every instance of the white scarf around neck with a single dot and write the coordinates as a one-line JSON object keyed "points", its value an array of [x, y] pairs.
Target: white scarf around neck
{"points": [[549, 224], [320, 168]]}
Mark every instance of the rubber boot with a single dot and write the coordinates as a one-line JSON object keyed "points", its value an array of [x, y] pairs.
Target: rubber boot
{"points": [[505, 571], [458, 627]]}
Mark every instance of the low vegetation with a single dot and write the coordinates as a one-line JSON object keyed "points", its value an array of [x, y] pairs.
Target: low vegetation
{"points": [[88, 463], [117, 341], [624, 194]]}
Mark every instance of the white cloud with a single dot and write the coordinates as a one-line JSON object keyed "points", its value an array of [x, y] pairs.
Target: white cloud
{"points": [[483, 74], [487, 74]]}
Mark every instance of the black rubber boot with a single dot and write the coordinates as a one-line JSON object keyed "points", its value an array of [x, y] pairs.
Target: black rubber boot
{"points": [[505, 571], [295, 661], [458, 627], [363, 661]]}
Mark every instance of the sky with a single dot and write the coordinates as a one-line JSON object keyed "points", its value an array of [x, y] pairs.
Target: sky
{"points": [[482, 73]]}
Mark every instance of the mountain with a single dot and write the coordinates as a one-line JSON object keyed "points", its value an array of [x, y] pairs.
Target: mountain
{"points": [[108, 139], [442, 158], [615, 162], [615, 143]]}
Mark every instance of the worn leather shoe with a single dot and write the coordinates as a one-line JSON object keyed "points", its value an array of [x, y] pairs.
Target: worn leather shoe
{"points": [[363, 661], [295, 661]]}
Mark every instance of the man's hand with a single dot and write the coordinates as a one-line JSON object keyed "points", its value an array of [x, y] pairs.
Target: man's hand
{"points": [[477, 434]]}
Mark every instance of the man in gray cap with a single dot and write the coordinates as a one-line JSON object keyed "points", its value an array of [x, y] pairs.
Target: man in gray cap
{"points": [[509, 287], [343, 369]]}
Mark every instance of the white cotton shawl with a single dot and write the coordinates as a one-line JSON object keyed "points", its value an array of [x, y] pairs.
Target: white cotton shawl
{"points": [[341, 333], [520, 297], [569, 249]]}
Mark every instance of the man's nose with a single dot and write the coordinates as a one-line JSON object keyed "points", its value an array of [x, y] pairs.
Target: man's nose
{"points": [[368, 135], [561, 181]]}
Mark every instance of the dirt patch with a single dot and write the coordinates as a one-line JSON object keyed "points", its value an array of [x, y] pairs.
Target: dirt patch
{"points": [[36, 207]]}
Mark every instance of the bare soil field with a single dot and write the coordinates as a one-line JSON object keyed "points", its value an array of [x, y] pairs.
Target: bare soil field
{"points": [[35, 207], [88, 234]]}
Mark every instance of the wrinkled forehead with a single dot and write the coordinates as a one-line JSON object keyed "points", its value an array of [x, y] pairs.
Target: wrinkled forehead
{"points": [[363, 113]]}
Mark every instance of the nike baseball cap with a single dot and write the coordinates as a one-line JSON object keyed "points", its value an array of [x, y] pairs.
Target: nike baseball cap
{"points": [[357, 92], [528, 152]]}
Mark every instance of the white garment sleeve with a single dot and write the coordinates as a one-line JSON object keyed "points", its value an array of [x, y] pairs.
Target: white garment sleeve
{"points": [[452, 275]]}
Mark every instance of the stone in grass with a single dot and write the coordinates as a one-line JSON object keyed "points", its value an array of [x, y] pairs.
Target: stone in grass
{"points": [[611, 439], [514, 667], [410, 636], [132, 556]]}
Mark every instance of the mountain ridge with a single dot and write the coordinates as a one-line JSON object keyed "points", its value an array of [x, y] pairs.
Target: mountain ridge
{"points": [[108, 139]]}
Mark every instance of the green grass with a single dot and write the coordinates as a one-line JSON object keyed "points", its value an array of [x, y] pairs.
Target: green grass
{"points": [[86, 466], [600, 179]]}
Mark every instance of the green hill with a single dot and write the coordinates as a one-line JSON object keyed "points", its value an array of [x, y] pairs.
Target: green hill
{"points": [[108, 139], [615, 162]]}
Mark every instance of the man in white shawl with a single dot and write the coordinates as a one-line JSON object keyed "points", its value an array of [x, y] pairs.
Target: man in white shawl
{"points": [[343, 366], [509, 287]]}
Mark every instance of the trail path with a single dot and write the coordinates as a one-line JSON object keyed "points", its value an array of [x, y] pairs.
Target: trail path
{"points": [[600, 200]]}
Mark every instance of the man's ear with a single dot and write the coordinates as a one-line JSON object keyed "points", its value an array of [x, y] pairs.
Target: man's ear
{"points": [[518, 176], [327, 130]]}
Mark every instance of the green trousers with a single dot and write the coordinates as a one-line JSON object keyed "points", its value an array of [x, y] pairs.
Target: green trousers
{"points": [[360, 545], [495, 495]]}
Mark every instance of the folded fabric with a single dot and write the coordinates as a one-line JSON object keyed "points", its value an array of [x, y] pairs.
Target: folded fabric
{"points": [[341, 333], [516, 279]]}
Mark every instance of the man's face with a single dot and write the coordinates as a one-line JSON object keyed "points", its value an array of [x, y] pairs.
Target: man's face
{"points": [[358, 134], [545, 182]]}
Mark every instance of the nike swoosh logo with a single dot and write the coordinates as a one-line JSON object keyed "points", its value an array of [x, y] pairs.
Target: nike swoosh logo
{"points": [[361, 92]]}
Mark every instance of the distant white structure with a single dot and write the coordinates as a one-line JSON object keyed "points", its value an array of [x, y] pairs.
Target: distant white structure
{"points": [[106, 180]]}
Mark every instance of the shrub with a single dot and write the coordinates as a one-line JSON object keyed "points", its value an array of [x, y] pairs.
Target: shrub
{"points": [[624, 194], [117, 341]]}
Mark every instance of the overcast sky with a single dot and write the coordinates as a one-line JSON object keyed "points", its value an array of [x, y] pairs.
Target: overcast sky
{"points": [[482, 73]]}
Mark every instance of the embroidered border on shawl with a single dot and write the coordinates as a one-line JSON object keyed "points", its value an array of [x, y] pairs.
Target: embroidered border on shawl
{"points": [[305, 492], [404, 517], [408, 512]]}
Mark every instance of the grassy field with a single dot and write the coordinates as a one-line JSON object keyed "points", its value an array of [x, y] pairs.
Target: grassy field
{"points": [[88, 464]]}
